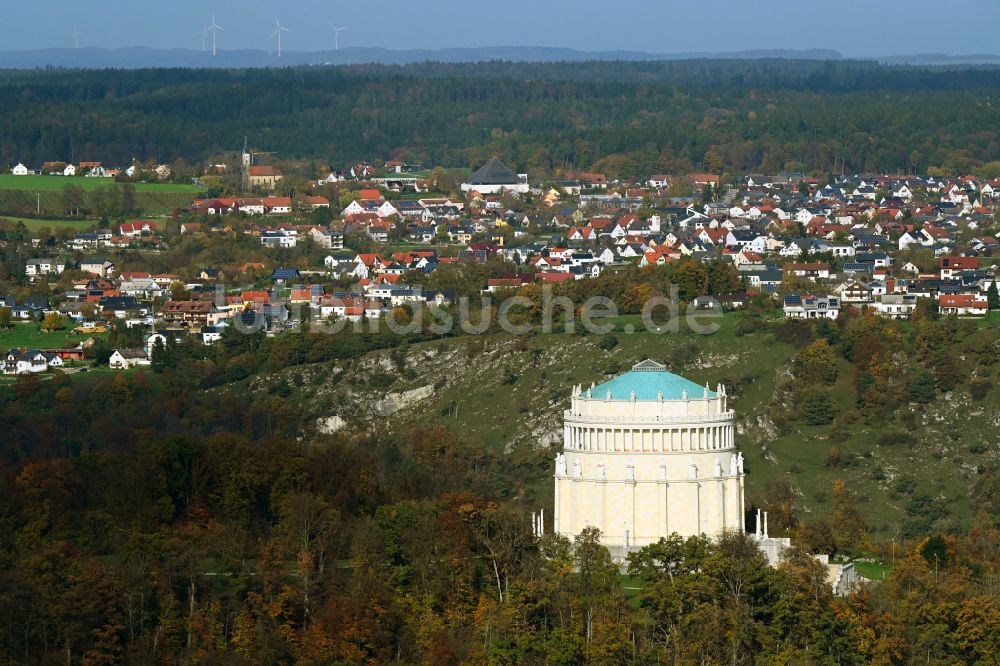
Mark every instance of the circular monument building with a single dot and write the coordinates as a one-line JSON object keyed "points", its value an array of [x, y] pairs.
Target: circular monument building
{"points": [[648, 453]]}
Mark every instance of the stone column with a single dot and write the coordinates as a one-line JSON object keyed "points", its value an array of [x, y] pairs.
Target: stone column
{"points": [[557, 507], [630, 501], [571, 488], [722, 503], [697, 495], [604, 506], [663, 505], [734, 509]]}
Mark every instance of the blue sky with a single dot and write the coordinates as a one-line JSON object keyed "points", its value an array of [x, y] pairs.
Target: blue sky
{"points": [[854, 27]]}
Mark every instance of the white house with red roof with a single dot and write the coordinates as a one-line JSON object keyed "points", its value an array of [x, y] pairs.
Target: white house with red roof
{"points": [[963, 305], [952, 267], [137, 228]]}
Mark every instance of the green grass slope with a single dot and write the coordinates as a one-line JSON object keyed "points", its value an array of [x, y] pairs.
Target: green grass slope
{"points": [[509, 393]]}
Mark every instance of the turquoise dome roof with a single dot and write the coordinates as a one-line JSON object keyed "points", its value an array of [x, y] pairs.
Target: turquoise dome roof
{"points": [[648, 380]]}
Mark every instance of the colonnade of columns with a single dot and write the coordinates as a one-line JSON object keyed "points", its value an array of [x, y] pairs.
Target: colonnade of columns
{"points": [[639, 439]]}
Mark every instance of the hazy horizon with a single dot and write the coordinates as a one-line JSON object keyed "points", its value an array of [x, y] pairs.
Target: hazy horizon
{"points": [[855, 29]]}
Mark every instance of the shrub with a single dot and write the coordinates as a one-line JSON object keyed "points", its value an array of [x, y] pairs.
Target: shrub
{"points": [[979, 388], [608, 342], [817, 408], [746, 325], [921, 387], [894, 437], [381, 380], [948, 372], [795, 332]]}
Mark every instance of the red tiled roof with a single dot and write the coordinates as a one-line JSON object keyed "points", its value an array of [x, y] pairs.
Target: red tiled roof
{"points": [[263, 171], [959, 263], [962, 301]]}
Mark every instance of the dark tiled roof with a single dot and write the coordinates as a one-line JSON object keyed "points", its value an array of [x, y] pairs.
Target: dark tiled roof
{"points": [[494, 172]]}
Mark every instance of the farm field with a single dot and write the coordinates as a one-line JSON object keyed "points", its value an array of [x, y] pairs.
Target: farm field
{"points": [[28, 195], [50, 202], [28, 335], [57, 183], [35, 224]]}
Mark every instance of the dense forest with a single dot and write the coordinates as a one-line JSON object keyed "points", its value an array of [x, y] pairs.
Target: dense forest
{"points": [[626, 119], [188, 514]]}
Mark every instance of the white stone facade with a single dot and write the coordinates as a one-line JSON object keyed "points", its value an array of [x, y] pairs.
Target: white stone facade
{"points": [[640, 469]]}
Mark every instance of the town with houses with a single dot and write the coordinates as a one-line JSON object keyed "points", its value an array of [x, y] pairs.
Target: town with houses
{"points": [[874, 243], [417, 352]]}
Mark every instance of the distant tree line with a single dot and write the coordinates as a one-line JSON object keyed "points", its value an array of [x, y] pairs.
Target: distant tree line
{"points": [[626, 119]]}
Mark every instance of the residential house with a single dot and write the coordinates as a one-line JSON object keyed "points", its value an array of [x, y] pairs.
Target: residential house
{"points": [[812, 271], [191, 314], [854, 291], [285, 275], [38, 267], [280, 238], [963, 305], [951, 267], [29, 361], [331, 240], [28, 308], [144, 288], [137, 228], [98, 267], [808, 306], [315, 202], [895, 306], [123, 359]]}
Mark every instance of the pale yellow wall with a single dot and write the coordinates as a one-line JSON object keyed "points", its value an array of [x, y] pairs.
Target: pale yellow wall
{"points": [[658, 440]]}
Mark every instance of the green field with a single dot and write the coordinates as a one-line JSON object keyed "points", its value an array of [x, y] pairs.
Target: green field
{"points": [[57, 183], [50, 202], [873, 570], [31, 337], [34, 225], [28, 195]]}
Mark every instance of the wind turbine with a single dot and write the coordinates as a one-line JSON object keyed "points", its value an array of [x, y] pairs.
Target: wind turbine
{"points": [[336, 35], [76, 38], [278, 29], [214, 29]]}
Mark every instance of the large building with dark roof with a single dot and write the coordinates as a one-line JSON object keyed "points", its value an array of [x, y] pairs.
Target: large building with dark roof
{"points": [[495, 177]]}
